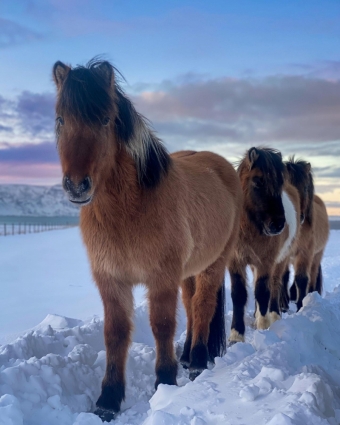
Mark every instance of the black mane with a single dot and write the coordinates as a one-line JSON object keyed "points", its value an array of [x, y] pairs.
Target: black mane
{"points": [[300, 177], [88, 96]]}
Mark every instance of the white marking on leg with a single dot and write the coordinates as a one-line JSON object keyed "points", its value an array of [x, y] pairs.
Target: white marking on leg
{"points": [[290, 215], [273, 317], [235, 336], [261, 322]]}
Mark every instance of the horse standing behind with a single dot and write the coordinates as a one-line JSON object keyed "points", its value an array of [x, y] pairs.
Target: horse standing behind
{"points": [[269, 228], [147, 217], [312, 239]]}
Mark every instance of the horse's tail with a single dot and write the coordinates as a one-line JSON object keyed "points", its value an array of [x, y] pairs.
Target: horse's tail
{"points": [[319, 280], [217, 343]]}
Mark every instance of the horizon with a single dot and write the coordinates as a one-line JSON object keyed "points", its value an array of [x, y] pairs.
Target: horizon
{"points": [[220, 77]]}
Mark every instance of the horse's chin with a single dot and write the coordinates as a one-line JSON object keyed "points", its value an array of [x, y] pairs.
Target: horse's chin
{"points": [[81, 203]]}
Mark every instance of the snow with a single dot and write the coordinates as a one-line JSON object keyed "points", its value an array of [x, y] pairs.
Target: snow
{"points": [[51, 374], [27, 200]]}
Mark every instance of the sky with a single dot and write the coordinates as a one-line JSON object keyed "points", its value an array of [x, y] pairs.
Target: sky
{"points": [[210, 75]]}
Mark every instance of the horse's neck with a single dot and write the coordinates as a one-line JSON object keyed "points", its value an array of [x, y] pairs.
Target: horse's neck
{"points": [[119, 196]]}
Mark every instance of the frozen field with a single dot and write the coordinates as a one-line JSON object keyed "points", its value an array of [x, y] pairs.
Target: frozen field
{"points": [[51, 374]]}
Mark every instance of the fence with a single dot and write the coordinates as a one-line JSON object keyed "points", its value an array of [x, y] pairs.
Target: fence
{"points": [[7, 229]]}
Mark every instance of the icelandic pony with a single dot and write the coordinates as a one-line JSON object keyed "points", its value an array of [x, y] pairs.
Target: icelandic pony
{"points": [[313, 235], [268, 231], [166, 221]]}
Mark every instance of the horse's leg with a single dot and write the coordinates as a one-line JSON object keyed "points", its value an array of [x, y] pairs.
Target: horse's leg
{"points": [[162, 305], [302, 276], [118, 308], [238, 277], [284, 298], [276, 291], [315, 283], [188, 291], [262, 296], [204, 303]]}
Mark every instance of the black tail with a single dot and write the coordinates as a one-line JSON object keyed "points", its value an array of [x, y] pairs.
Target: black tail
{"points": [[217, 343], [318, 284]]}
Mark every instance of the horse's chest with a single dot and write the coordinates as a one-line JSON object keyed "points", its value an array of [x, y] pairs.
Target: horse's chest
{"points": [[123, 255]]}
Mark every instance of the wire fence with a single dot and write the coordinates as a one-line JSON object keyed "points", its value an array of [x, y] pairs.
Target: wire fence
{"points": [[9, 229]]}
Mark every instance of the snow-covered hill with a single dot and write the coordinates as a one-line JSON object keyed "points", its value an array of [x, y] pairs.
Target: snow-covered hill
{"points": [[287, 375], [26, 200]]}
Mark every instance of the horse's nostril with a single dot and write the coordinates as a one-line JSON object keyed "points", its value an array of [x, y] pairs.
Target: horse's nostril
{"points": [[86, 184], [67, 184]]}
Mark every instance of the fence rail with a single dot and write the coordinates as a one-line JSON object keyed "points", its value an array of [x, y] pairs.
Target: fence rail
{"points": [[8, 229]]}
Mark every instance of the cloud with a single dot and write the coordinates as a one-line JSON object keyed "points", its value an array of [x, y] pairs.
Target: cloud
{"points": [[36, 112], [12, 33], [294, 114], [44, 152], [280, 109], [5, 128]]}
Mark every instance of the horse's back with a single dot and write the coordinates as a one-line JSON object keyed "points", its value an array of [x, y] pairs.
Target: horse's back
{"points": [[199, 164]]}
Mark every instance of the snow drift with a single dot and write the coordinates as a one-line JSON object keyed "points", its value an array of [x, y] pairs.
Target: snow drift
{"points": [[287, 375]]}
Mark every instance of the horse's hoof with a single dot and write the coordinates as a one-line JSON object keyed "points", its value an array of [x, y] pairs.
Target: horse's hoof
{"points": [[105, 415], [193, 373], [235, 337]]}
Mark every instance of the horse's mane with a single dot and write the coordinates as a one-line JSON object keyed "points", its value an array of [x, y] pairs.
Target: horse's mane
{"points": [[87, 96], [298, 174]]}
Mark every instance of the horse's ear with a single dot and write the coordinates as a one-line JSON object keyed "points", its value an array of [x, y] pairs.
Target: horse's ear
{"points": [[252, 157], [279, 154], [107, 72], [60, 72], [308, 167]]}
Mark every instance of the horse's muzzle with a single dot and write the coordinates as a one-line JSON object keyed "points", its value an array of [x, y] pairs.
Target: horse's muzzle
{"points": [[274, 227], [80, 193]]}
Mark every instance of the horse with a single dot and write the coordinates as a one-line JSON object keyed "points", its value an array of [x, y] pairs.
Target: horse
{"points": [[313, 235], [168, 221], [268, 231]]}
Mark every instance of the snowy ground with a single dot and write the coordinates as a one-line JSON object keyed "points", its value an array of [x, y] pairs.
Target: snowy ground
{"points": [[51, 375]]}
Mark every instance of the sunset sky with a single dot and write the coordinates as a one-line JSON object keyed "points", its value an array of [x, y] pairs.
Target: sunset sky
{"points": [[217, 75]]}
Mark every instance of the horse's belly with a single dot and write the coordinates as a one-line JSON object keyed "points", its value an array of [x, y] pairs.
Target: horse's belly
{"points": [[204, 255]]}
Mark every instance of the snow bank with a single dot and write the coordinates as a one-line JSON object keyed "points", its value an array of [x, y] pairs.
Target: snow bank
{"points": [[287, 375]]}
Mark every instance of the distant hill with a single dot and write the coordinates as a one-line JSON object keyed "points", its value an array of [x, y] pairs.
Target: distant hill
{"points": [[26, 200]]}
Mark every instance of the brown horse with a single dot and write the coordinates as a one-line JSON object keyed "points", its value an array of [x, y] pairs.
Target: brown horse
{"points": [[313, 235], [147, 217], [269, 228]]}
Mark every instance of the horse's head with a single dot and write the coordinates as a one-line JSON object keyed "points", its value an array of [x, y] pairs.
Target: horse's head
{"points": [[94, 122], [85, 111], [300, 175], [262, 177]]}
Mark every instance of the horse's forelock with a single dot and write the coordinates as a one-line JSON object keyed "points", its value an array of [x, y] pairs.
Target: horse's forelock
{"points": [[85, 95], [269, 162]]}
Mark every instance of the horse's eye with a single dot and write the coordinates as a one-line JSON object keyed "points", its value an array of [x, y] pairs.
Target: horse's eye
{"points": [[258, 181], [60, 120], [105, 121]]}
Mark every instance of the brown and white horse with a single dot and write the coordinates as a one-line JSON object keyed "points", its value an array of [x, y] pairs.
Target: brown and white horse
{"points": [[166, 221], [269, 229], [313, 235]]}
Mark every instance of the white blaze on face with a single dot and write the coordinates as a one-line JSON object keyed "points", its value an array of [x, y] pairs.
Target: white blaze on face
{"points": [[290, 215]]}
